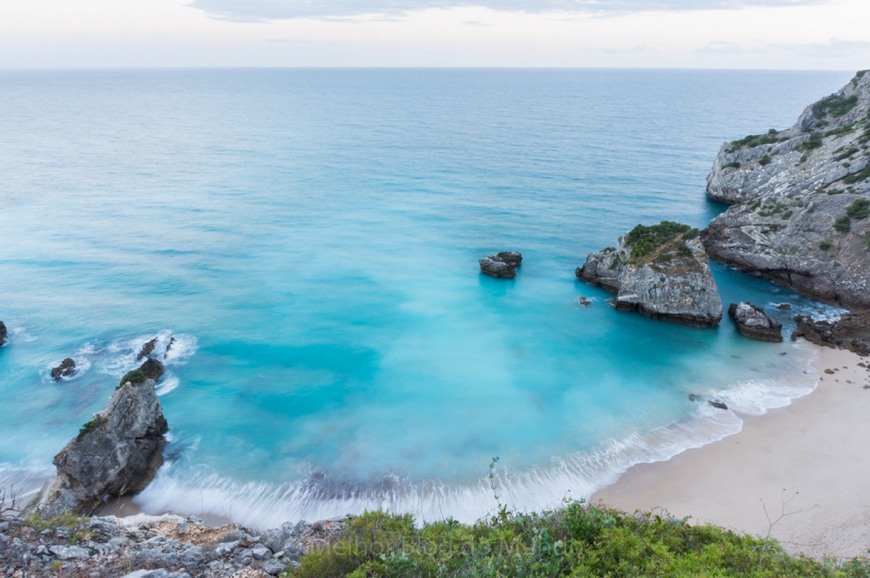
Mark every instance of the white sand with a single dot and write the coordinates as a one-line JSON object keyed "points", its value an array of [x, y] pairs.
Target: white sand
{"points": [[808, 464]]}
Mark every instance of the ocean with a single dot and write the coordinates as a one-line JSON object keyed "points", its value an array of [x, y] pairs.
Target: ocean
{"points": [[310, 238]]}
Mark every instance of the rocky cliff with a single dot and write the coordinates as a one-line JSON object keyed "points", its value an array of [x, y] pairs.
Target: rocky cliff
{"points": [[660, 271], [115, 453], [801, 200]]}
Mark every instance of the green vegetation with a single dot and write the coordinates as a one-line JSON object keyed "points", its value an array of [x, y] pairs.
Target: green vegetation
{"points": [[825, 245], [858, 76], [846, 129], [860, 209], [862, 175], [732, 165], [645, 240], [835, 191], [843, 224], [135, 377], [68, 520], [754, 140], [814, 142], [90, 426], [835, 105], [765, 160], [577, 541], [845, 153]]}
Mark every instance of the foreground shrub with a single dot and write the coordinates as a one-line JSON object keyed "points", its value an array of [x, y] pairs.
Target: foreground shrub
{"points": [[578, 540]]}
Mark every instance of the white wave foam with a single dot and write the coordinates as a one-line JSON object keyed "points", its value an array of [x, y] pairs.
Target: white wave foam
{"points": [[167, 384], [169, 347]]}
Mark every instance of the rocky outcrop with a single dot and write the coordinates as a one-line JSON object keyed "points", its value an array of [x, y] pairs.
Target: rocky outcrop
{"points": [[115, 453], [801, 200], [661, 271], [165, 546], [147, 349], [152, 369], [851, 331], [502, 265], [3, 333], [66, 369], [754, 323]]}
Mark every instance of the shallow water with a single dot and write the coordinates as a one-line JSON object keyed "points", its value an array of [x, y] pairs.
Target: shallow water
{"points": [[310, 238]]}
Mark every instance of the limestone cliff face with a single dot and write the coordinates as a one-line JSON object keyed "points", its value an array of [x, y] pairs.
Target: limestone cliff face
{"points": [[116, 453], [801, 200], [660, 271]]}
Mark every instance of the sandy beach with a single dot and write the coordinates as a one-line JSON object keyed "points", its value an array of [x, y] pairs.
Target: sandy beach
{"points": [[798, 474]]}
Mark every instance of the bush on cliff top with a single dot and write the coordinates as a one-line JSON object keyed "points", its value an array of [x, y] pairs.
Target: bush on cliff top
{"points": [[135, 377], [578, 540], [645, 240]]}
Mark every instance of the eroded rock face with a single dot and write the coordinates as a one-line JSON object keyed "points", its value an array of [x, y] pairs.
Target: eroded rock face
{"points": [[851, 331], [800, 200], [754, 323], [667, 277], [116, 453], [67, 368], [502, 265]]}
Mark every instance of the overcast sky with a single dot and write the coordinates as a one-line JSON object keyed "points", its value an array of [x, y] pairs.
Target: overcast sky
{"points": [[770, 34]]}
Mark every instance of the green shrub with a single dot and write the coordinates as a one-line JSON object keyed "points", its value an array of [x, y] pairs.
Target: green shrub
{"points": [[765, 160], [862, 175], [814, 142], [825, 245], [754, 140], [835, 105], [645, 240], [843, 224], [92, 425], [135, 377], [578, 540], [732, 165], [860, 209]]}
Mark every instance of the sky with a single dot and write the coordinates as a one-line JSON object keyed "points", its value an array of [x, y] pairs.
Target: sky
{"points": [[736, 34]]}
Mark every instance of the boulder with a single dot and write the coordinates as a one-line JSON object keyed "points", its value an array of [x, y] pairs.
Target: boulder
{"points": [[67, 368], [661, 271], [114, 454], [800, 200], [502, 265], [754, 323], [3, 333], [147, 349], [152, 368]]}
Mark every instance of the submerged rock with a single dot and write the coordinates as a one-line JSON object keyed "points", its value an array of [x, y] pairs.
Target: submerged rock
{"points": [[502, 265], [800, 200], [116, 453], [3, 333], [661, 271], [67, 368], [754, 323]]}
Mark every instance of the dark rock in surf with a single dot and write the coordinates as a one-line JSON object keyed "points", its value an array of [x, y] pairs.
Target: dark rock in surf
{"points": [[754, 323], [152, 368], [67, 368], [147, 349], [3, 333], [502, 265]]}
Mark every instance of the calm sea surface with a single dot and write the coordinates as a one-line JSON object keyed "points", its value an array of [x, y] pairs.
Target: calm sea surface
{"points": [[310, 239]]}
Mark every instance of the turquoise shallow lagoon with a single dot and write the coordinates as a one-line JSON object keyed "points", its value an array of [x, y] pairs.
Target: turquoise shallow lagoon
{"points": [[310, 238]]}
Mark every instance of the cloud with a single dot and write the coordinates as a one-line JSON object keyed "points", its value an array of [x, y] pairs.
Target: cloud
{"points": [[261, 10]]}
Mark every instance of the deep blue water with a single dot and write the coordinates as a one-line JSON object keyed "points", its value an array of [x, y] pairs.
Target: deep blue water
{"points": [[310, 238]]}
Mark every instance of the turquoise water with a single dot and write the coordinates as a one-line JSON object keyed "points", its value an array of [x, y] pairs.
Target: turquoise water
{"points": [[310, 238]]}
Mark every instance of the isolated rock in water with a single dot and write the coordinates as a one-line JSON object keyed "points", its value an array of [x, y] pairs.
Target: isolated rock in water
{"points": [[3, 333], [661, 271], [503, 265], [152, 368], [147, 349], [801, 200], [67, 368], [754, 323], [115, 453]]}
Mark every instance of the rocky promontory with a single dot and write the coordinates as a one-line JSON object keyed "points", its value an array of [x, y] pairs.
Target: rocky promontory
{"points": [[801, 200], [116, 453], [661, 271]]}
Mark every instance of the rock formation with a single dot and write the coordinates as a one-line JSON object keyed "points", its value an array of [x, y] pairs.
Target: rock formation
{"points": [[147, 349], [115, 453], [502, 265], [800, 200], [66, 368], [3, 333], [754, 323], [851, 331], [661, 271], [152, 369]]}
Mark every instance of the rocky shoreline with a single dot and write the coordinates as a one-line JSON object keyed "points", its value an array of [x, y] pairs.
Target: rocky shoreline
{"points": [[141, 546]]}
